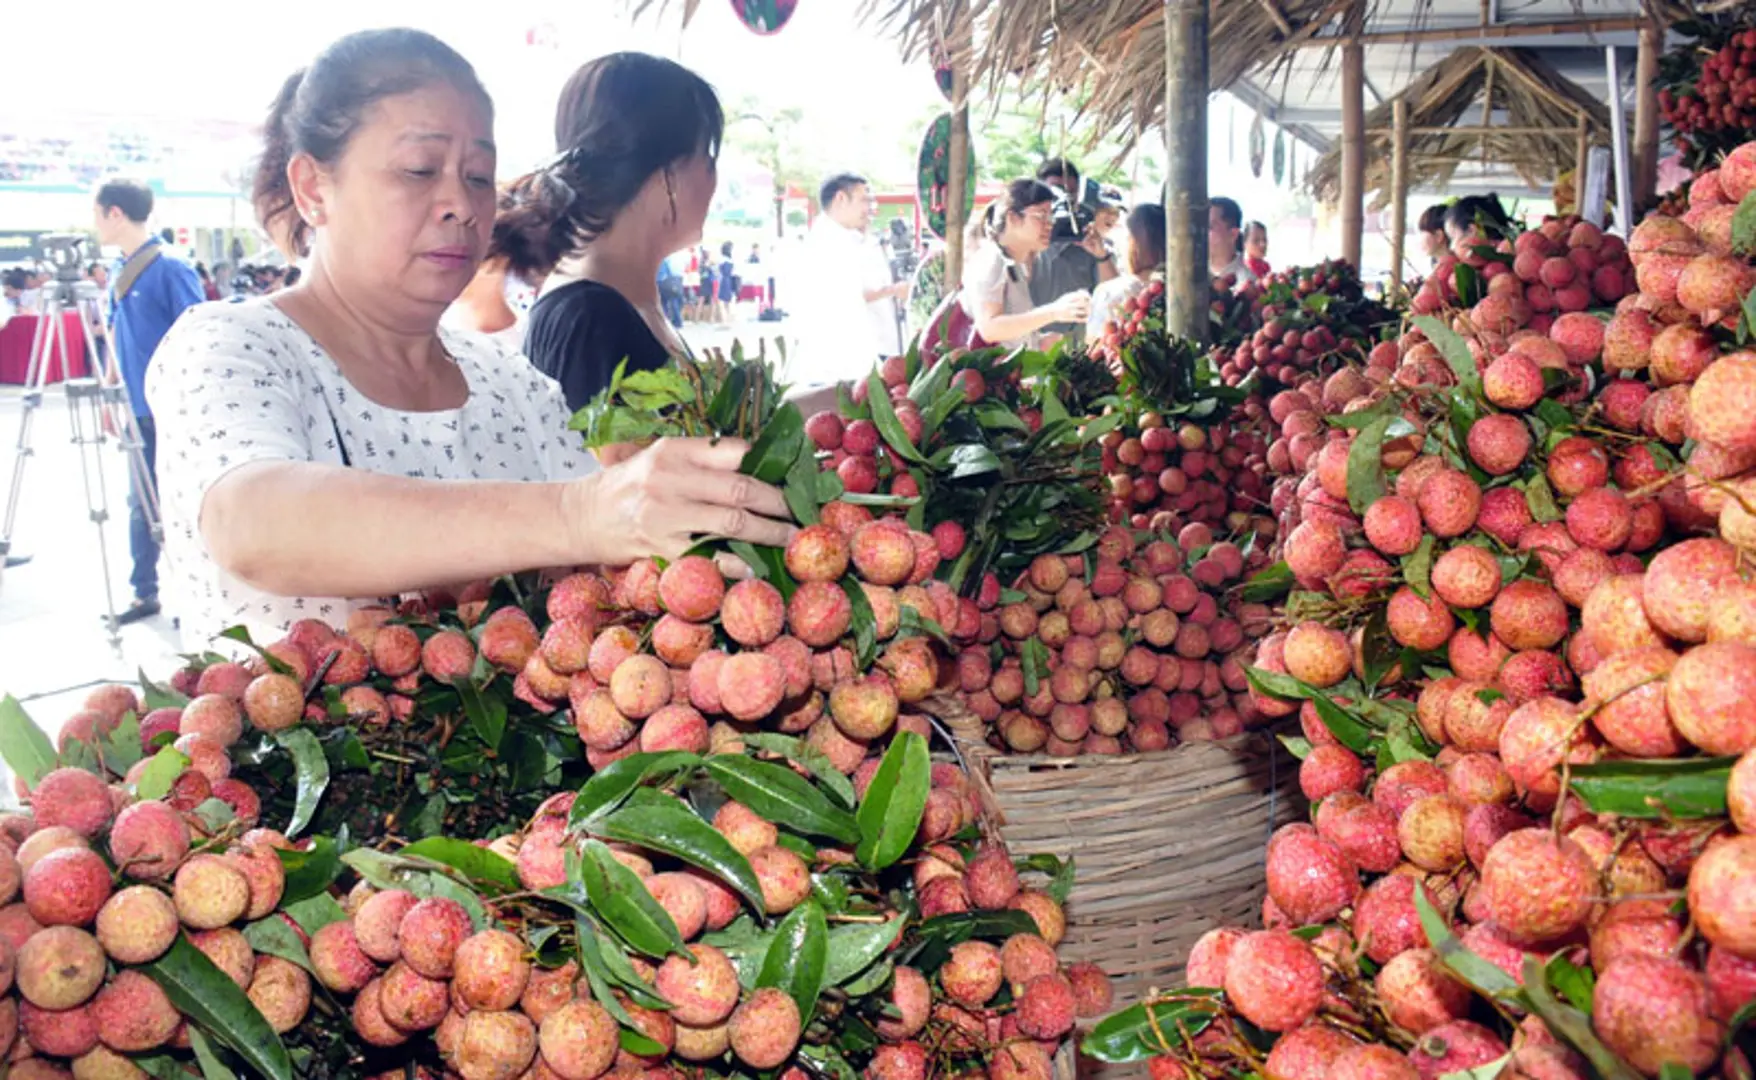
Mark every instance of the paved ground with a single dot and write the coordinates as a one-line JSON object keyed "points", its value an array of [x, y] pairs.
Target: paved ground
{"points": [[53, 641]]}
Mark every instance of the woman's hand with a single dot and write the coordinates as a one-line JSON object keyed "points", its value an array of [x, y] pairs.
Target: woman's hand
{"points": [[663, 499], [1074, 307]]}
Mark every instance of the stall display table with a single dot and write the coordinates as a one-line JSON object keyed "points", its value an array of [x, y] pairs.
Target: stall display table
{"points": [[15, 345]]}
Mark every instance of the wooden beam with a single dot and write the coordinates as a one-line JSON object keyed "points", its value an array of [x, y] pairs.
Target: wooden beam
{"points": [[1398, 194], [1433, 35], [1544, 91], [1278, 17], [1652, 44], [957, 178], [1188, 279], [1475, 129], [1353, 151]]}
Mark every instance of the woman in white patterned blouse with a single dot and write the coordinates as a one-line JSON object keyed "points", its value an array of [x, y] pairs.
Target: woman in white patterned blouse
{"points": [[333, 445]]}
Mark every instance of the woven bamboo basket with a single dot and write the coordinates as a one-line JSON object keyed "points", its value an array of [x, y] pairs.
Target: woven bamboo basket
{"points": [[1168, 845]]}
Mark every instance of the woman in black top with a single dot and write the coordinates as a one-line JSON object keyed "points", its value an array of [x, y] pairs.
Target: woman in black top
{"points": [[638, 139]]}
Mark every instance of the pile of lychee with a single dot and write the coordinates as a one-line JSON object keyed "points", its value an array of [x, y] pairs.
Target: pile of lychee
{"points": [[1138, 650], [1163, 477], [1289, 333], [1721, 103], [1548, 574], [1564, 266], [98, 883]]}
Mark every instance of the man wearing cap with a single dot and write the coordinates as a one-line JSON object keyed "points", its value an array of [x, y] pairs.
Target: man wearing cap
{"points": [[1075, 259]]}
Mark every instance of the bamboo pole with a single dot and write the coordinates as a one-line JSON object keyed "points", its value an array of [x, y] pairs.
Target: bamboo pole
{"points": [[1652, 43], [958, 175], [1398, 195], [1582, 156], [1478, 33], [1188, 280], [1353, 151]]}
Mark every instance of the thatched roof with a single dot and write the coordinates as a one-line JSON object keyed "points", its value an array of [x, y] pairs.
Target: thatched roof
{"points": [[1113, 50], [1538, 138]]}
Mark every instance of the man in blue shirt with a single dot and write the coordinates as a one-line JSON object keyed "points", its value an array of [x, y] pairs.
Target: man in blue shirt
{"points": [[149, 289]]}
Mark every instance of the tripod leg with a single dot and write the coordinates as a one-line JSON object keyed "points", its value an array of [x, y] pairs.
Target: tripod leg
{"points": [[85, 407], [36, 376]]}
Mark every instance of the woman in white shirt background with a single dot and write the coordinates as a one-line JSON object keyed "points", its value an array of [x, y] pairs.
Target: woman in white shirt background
{"points": [[1146, 253], [333, 445], [1013, 230]]}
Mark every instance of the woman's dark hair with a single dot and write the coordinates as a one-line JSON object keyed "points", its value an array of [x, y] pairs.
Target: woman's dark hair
{"points": [[621, 118], [1019, 196], [1146, 231], [726, 249], [1433, 217], [1483, 210], [321, 106]]}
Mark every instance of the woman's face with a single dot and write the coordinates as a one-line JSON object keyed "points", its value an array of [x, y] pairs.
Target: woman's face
{"points": [[1256, 243], [1437, 243], [409, 206], [1028, 231]]}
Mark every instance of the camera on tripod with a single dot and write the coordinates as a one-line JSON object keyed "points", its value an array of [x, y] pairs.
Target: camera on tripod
{"points": [[66, 252], [1073, 218], [904, 259]]}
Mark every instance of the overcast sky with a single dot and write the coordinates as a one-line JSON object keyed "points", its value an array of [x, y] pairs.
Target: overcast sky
{"points": [[182, 60]]}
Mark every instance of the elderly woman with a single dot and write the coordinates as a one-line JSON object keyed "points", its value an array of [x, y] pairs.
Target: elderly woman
{"points": [[333, 445]]}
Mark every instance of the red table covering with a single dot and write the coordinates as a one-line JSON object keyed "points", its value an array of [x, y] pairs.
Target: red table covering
{"points": [[15, 345]]}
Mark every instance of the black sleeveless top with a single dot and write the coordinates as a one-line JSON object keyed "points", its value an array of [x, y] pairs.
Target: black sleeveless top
{"points": [[580, 332]]}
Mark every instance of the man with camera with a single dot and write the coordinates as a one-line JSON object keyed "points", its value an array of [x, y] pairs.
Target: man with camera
{"points": [[149, 289], [1078, 258]]}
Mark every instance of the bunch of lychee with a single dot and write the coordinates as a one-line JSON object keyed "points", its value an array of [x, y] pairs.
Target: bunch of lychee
{"points": [[97, 882], [1721, 103], [1162, 478], [1142, 650], [1143, 313], [1287, 336], [1565, 265], [857, 452]]}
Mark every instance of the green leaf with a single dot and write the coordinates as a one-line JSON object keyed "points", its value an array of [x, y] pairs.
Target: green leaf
{"points": [[854, 946], [486, 713], [610, 787], [1269, 585], [215, 814], [1541, 500], [1417, 567], [813, 760], [934, 938], [592, 951], [311, 772], [659, 822], [160, 773], [1576, 984], [1481, 1072], [890, 814], [1569, 1024], [242, 637], [1744, 227], [154, 696], [1472, 969], [1132, 1035], [972, 460], [801, 484], [1033, 657], [480, 865], [619, 897], [1061, 884], [212, 1068], [889, 427], [1454, 349], [1297, 745], [315, 912], [863, 623], [798, 956], [274, 937], [423, 877], [211, 1000], [1669, 788], [782, 796], [27, 751], [309, 872], [1365, 466]]}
